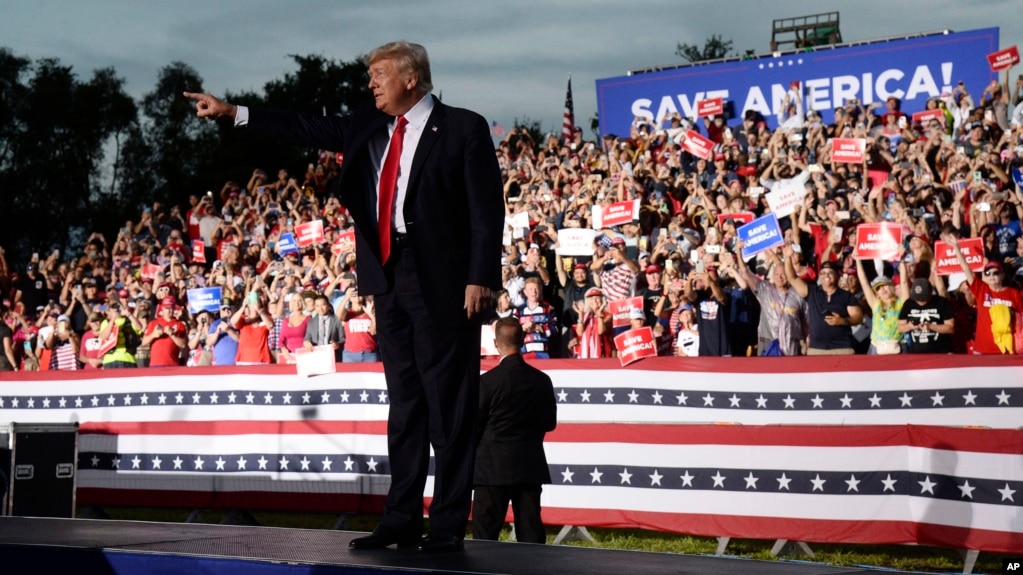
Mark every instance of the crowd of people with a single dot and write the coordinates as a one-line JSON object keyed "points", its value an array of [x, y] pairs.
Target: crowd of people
{"points": [[123, 301]]}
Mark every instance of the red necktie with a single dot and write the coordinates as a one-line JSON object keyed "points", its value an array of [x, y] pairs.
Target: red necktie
{"points": [[388, 186]]}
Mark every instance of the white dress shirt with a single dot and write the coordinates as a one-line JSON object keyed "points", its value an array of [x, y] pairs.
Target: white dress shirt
{"points": [[417, 118]]}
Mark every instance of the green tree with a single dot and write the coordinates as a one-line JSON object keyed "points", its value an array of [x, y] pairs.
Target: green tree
{"points": [[12, 96], [77, 157], [713, 49], [319, 86], [54, 139], [532, 127], [180, 143]]}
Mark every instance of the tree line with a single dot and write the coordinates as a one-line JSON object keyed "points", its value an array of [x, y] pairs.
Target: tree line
{"points": [[81, 155], [78, 156]]}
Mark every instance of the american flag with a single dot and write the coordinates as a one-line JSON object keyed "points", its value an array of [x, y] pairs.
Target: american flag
{"points": [[568, 124], [941, 486], [866, 451], [957, 186], [496, 129]]}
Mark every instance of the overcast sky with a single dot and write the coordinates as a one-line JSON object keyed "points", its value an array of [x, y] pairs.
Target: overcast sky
{"points": [[505, 60]]}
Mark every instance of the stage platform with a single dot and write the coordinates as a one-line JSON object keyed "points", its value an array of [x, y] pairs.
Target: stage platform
{"points": [[34, 545]]}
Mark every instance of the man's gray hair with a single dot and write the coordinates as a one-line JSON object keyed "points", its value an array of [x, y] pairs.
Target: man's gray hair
{"points": [[409, 58]]}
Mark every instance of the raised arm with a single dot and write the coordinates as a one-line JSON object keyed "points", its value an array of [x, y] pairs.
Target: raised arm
{"points": [[795, 281], [210, 107], [868, 291], [953, 241]]}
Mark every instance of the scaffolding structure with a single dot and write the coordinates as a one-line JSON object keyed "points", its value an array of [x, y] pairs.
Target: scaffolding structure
{"points": [[803, 32]]}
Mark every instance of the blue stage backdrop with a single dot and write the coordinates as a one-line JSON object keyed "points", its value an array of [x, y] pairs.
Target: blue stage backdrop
{"points": [[913, 70]]}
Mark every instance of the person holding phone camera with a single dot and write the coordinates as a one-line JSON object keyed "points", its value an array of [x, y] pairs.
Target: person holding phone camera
{"points": [[710, 302], [198, 352], [120, 356], [358, 317], [617, 272], [783, 323], [832, 311], [253, 323], [165, 336], [1009, 229], [885, 306], [222, 337], [996, 304]]}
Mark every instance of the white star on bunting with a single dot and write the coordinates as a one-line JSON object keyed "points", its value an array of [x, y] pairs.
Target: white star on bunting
{"points": [[889, 483], [927, 486]]}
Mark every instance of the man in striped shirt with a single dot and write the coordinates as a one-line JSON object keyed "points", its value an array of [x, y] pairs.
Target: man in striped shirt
{"points": [[618, 274], [539, 323]]}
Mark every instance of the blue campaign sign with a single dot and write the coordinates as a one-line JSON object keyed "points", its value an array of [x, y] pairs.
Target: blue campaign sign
{"points": [[287, 244], [912, 70], [1017, 176], [761, 234], [204, 299]]}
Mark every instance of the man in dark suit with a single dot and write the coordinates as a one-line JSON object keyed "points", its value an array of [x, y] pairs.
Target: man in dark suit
{"points": [[517, 408], [428, 243], [324, 328]]}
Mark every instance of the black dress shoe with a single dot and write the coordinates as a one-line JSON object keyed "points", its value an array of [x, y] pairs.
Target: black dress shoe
{"points": [[385, 537], [440, 543]]}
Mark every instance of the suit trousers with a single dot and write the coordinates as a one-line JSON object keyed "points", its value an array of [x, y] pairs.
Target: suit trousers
{"points": [[432, 373], [490, 506]]}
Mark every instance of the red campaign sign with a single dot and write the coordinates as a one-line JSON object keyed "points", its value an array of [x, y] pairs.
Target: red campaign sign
{"points": [[309, 233], [878, 240], [149, 271], [711, 107], [345, 242], [816, 230], [1003, 59], [847, 150], [620, 309], [697, 145], [924, 118], [947, 263], [876, 178], [738, 217], [110, 343], [199, 251], [635, 344], [619, 213], [223, 247]]}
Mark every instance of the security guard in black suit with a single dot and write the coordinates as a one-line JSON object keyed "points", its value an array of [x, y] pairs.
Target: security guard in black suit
{"points": [[517, 408]]}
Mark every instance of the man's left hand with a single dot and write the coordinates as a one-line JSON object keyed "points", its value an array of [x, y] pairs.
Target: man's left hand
{"points": [[477, 299]]}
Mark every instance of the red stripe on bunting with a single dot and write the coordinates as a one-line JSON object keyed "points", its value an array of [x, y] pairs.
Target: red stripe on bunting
{"points": [[304, 427], [999, 441], [1003, 441], [824, 531]]}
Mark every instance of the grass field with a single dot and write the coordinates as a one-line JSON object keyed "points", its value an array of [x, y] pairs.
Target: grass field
{"points": [[902, 557]]}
